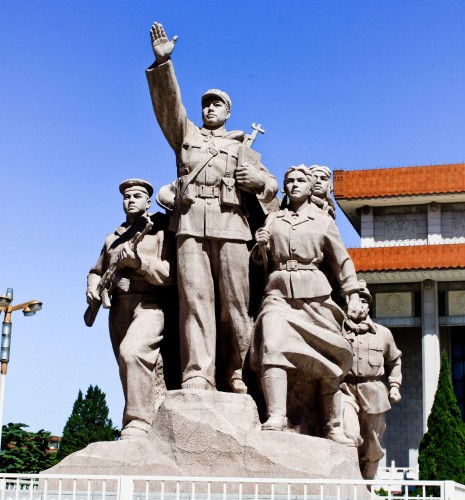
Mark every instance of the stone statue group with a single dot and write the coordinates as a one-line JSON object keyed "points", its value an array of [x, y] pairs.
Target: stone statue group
{"points": [[204, 245]]}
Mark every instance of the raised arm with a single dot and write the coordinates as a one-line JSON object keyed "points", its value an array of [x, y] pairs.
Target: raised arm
{"points": [[164, 89], [162, 47]]}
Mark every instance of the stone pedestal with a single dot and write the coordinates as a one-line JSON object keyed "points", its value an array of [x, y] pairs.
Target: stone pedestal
{"points": [[203, 433]]}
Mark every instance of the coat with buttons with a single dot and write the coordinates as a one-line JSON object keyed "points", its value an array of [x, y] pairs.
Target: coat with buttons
{"points": [[157, 267], [308, 238], [299, 325], [375, 354], [216, 149]]}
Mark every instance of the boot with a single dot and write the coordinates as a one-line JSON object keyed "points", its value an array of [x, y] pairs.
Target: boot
{"points": [[238, 386], [197, 383], [135, 430], [275, 391], [236, 382], [331, 411]]}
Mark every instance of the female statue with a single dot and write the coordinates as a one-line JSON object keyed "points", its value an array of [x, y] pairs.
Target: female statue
{"points": [[299, 325]]}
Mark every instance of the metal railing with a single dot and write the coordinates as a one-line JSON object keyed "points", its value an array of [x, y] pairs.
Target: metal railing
{"points": [[393, 472], [82, 487]]}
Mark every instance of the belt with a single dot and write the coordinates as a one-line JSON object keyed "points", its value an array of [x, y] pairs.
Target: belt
{"points": [[141, 289], [207, 192], [294, 265], [352, 379]]}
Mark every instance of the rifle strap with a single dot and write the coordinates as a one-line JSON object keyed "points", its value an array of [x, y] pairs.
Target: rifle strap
{"points": [[191, 176]]}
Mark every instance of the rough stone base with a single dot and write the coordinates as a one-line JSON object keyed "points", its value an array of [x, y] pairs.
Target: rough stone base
{"points": [[203, 433]]}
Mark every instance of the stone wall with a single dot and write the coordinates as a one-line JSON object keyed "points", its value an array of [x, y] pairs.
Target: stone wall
{"points": [[405, 420]]}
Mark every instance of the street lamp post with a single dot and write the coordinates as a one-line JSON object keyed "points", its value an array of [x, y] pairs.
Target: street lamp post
{"points": [[29, 309]]}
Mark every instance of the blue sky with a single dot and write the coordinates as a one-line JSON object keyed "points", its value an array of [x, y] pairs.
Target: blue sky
{"points": [[356, 84]]}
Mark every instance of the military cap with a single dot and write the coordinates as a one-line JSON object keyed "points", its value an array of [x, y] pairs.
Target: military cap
{"points": [[139, 184], [364, 292], [324, 169], [220, 94]]}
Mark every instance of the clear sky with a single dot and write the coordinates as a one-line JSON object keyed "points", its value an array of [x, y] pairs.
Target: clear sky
{"points": [[355, 84]]}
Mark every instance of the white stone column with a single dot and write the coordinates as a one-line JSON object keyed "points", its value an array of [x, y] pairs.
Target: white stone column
{"points": [[434, 224], [431, 355], [367, 231]]}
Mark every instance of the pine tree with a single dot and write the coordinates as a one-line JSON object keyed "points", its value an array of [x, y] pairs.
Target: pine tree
{"points": [[25, 452], [442, 449], [88, 423]]}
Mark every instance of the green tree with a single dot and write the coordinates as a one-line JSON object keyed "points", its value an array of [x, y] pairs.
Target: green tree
{"points": [[442, 449], [88, 423], [24, 451]]}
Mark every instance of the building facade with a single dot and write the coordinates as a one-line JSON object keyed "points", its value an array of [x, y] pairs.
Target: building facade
{"points": [[411, 222]]}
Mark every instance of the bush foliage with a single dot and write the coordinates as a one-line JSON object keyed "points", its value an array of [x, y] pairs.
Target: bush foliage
{"points": [[88, 423], [25, 452], [442, 449]]}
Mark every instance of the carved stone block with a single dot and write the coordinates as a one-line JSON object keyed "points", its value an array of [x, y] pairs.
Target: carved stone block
{"points": [[394, 305]]}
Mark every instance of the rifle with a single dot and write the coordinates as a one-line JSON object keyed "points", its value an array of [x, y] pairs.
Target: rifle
{"points": [[111, 278], [249, 139]]}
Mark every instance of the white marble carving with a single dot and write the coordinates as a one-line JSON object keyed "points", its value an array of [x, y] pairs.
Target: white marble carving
{"points": [[456, 303], [401, 229], [458, 226], [393, 305]]}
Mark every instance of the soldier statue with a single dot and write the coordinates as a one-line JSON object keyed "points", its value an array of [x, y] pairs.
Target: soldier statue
{"points": [[134, 268], [367, 400], [210, 221]]}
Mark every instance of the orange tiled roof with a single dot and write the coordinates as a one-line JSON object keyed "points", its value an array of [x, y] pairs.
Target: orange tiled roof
{"points": [[408, 257], [403, 181]]}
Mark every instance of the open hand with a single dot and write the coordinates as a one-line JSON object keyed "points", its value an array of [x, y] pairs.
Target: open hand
{"points": [[162, 47]]}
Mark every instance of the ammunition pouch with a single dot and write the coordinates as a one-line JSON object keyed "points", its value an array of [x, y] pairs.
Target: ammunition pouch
{"points": [[230, 196]]}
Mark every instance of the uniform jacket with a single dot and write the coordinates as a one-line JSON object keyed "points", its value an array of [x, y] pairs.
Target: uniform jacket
{"points": [[153, 251], [193, 146], [307, 238], [375, 354]]}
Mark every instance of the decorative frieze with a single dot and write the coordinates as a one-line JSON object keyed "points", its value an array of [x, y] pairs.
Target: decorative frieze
{"points": [[392, 305], [400, 229], [458, 225], [456, 302]]}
